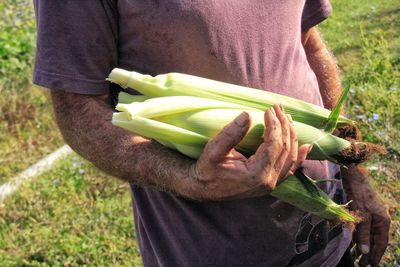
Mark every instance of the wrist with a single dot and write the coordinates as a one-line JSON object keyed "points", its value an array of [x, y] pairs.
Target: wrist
{"points": [[187, 184], [194, 188]]}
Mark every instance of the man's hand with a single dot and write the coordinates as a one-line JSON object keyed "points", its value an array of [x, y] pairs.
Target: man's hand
{"points": [[371, 235], [222, 172]]}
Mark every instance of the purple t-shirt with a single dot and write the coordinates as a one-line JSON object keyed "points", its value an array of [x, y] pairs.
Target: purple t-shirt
{"points": [[251, 43]]}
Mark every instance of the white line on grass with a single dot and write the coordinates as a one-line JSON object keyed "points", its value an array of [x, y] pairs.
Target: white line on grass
{"points": [[35, 170]]}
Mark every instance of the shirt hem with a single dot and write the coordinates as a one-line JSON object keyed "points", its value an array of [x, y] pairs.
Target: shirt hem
{"points": [[317, 17], [59, 82]]}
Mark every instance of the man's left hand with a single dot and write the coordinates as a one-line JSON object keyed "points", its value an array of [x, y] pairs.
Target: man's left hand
{"points": [[371, 235]]}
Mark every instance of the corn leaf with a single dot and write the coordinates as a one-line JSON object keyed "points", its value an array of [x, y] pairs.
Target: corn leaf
{"points": [[334, 116]]}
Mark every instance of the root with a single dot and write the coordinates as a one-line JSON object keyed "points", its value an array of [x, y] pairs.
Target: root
{"points": [[346, 224], [358, 152], [349, 132]]}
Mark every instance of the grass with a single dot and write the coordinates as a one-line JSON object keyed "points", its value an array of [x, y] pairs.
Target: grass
{"points": [[76, 216], [27, 132], [343, 29], [27, 129], [368, 54], [70, 216]]}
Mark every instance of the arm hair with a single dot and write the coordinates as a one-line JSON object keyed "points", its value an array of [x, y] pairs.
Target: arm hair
{"points": [[324, 65], [85, 123]]}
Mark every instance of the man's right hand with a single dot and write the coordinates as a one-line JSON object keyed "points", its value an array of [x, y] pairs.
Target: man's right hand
{"points": [[221, 172]]}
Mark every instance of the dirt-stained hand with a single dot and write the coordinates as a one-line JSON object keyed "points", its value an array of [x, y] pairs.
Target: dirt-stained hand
{"points": [[221, 172], [371, 235]]}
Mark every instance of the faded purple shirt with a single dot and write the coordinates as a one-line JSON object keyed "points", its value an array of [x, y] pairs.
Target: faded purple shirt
{"points": [[252, 43]]}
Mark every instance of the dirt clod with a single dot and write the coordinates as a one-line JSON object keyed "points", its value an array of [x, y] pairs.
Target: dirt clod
{"points": [[359, 152]]}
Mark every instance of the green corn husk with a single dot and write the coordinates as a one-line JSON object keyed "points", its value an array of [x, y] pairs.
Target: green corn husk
{"points": [[333, 118], [187, 123], [177, 84], [125, 98], [205, 118], [303, 193]]}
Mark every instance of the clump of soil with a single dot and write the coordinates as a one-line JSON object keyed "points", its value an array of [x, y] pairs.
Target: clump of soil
{"points": [[348, 132], [358, 152]]}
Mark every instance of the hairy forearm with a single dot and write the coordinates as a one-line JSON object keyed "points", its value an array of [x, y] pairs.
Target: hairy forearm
{"points": [[324, 66], [85, 123]]}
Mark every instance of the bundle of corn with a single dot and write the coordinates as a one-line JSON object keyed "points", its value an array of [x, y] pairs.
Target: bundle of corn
{"points": [[186, 123], [179, 122], [177, 84]]}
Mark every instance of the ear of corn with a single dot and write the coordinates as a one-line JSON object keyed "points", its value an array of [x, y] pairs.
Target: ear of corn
{"points": [[301, 192], [174, 84], [158, 130], [207, 117], [161, 106]]}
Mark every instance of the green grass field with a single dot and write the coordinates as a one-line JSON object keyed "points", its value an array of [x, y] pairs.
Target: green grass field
{"points": [[76, 216]]}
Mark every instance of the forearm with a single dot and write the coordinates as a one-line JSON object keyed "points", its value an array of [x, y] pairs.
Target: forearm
{"points": [[85, 123], [324, 66]]}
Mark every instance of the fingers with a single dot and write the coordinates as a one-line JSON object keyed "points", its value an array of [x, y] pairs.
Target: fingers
{"points": [[301, 156], [364, 261], [294, 150], [372, 234], [221, 145], [364, 241], [291, 157], [285, 159], [263, 161], [378, 240], [381, 227], [297, 155], [279, 155], [363, 235]]}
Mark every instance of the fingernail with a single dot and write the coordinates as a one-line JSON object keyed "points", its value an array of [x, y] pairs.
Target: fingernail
{"points": [[364, 249], [242, 119], [272, 111]]}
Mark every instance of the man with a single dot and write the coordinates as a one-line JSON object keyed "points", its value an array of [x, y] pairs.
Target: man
{"points": [[215, 211]]}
